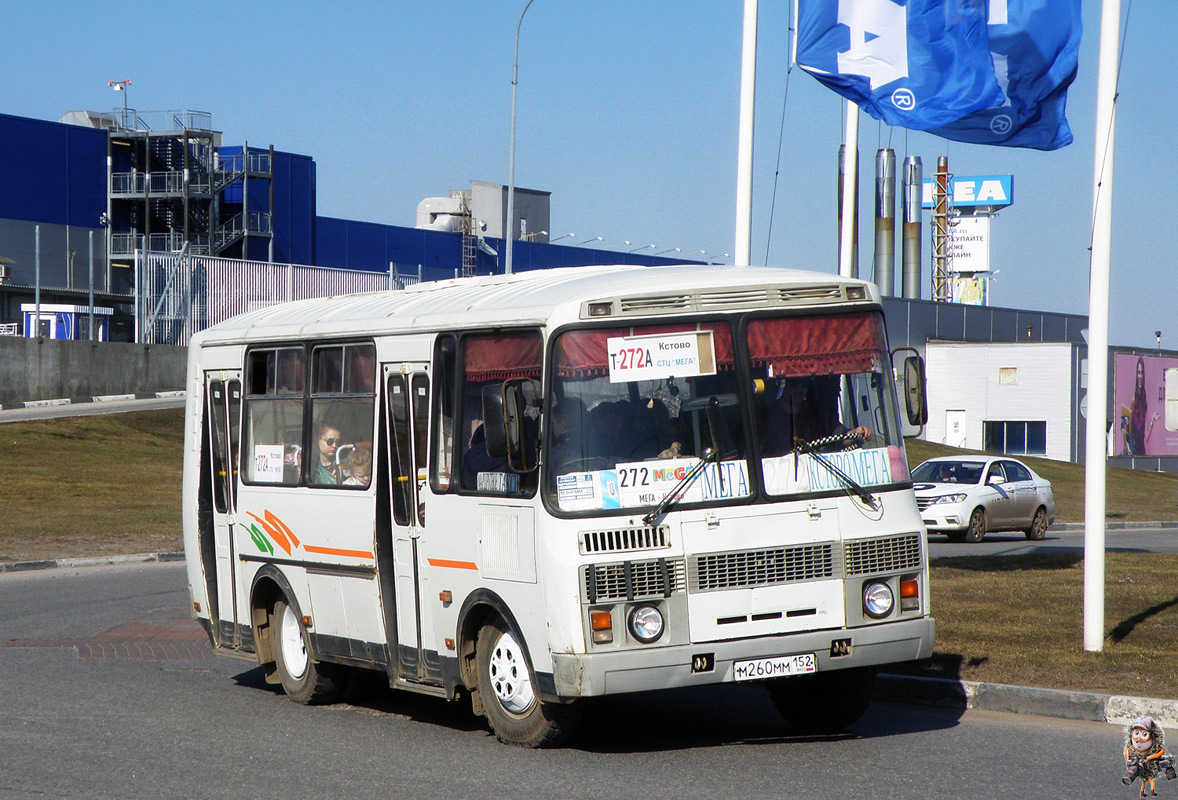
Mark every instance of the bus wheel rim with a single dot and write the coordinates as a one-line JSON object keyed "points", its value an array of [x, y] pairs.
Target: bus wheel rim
{"points": [[294, 651], [510, 679]]}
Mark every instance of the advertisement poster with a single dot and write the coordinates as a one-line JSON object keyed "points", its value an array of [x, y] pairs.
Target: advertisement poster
{"points": [[1139, 396]]}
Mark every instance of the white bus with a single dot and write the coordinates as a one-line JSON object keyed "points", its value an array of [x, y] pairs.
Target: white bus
{"points": [[532, 489]]}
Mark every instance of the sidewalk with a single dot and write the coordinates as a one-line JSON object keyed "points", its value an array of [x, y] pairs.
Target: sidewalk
{"points": [[939, 692]]}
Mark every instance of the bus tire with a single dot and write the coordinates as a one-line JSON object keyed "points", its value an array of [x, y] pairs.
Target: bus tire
{"points": [[304, 679], [507, 691], [823, 702]]}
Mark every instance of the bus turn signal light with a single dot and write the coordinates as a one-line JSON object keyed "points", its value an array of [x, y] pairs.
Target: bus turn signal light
{"points": [[909, 594], [602, 624]]}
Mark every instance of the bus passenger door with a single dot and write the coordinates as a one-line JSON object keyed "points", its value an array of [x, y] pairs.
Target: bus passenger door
{"points": [[407, 405], [223, 395]]}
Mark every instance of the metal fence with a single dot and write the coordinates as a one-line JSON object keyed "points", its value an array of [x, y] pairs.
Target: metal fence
{"points": [[178, 295]]}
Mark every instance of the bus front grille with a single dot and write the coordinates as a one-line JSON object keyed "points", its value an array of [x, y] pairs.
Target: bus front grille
{"points": [[762, 567], [623, 540], [630, 580], [885, 554]]}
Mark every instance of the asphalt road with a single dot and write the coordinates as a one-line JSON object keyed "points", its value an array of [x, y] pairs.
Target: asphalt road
{"points": [[110, 691], [1128, 540]]}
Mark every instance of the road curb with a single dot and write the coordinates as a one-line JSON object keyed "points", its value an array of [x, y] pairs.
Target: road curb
{"points": [[1117, 526], [96, 561], [106, 398], [1087, 706]]}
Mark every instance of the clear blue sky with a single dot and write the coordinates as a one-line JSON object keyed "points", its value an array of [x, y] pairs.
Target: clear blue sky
{"points": [[627, 114]]}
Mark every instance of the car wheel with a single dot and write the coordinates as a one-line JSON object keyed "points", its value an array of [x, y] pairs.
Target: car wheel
{"points": [[303, 679], [824, 702], [1038, 527], [977, 526], [507, 690]]}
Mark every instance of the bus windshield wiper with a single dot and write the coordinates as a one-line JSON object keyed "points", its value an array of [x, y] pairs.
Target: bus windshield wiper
{"points": [[867, 497], [676, 494]]}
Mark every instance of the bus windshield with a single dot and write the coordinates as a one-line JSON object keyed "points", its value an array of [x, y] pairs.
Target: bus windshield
{"points": [[634, 410]]}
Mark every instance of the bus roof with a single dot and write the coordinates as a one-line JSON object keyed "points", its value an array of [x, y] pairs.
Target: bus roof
{"points": [[549, 296]]}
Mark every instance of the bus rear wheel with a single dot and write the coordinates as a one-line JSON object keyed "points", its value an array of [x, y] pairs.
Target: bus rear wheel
{"points": [[303, 679], [507, 690], [823, 702]]}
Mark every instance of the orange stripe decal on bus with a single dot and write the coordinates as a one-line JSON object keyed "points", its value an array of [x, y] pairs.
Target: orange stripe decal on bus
{"points": [[276, 532], [441, 562], [331, 551]]}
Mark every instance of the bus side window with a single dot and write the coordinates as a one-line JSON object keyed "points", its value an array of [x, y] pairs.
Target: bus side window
{"points": [[273, 430], [342, 407], [400, 469], [446, 377]]}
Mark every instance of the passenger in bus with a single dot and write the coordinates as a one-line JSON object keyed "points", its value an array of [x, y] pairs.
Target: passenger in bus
{"points": [[802, 410], [476, 459], [610, 431], [567, 444], [328, 440], [359, 467]]}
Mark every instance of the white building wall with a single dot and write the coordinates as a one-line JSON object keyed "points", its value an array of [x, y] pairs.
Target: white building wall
{"points": [[975, 383]]}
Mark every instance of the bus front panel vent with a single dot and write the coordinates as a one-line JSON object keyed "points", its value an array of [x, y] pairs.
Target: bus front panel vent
{"points": [[624, 540]]}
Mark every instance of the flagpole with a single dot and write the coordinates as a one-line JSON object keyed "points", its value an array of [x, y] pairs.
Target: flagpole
{"points": [[1102, 224], [850, 196], [744, 150]]}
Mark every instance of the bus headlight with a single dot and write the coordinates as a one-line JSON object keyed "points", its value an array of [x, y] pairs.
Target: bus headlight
{"points": [[878, 599], [646, 624]]}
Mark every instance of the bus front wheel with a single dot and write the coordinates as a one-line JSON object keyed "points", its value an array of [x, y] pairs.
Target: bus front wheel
{"points": [[824, 702], [303, 679], [507, 690]]}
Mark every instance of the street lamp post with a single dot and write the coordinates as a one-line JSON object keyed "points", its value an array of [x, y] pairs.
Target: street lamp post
{"points": [[645, 246], [587, 241], [563, 236], [511, 157], [121, 86]]}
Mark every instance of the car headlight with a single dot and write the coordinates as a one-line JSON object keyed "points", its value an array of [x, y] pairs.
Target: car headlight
{"points": [[878, 599], [950, 498], [646, 624]]}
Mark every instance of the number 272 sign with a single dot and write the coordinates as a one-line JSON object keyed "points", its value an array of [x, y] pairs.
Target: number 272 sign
{"points": [[659, 356]]}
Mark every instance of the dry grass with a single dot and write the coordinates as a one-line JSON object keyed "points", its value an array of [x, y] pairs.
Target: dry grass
{"points": [[1019, 621], [87, 486], [1130, 495]]}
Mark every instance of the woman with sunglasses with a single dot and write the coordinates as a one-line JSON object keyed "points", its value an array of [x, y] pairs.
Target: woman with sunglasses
{"points": [[326, 471]]}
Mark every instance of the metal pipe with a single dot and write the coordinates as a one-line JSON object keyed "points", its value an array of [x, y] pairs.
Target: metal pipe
{"points": [[509, 228], [37, 280], [91, 285], [849, 198], [885, 221], [910, 245], [744, 147], [1095, 459]]}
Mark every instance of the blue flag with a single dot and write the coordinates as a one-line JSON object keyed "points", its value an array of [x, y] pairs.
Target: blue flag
{"points": [[919, 64], [1035, 46]]}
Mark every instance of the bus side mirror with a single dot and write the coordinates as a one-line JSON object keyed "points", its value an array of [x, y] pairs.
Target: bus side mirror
{"points": [[915, 400], [510, 432], [494, 426]]}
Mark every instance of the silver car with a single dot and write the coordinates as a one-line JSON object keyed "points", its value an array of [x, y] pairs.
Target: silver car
{"points": [[967, 496]]}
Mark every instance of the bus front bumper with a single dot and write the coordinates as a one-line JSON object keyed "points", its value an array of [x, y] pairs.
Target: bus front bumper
{"points": [[634, 670]]}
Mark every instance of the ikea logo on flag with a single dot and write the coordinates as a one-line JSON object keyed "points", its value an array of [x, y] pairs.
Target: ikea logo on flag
{"points": [[979, 190]]}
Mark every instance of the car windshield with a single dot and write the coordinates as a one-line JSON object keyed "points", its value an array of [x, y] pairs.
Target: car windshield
{"points": [[633, 410], [948, 472]]}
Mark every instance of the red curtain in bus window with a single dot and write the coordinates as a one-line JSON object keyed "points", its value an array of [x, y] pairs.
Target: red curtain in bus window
{"points": [[825, 345], [501, 356], [583, 354]]}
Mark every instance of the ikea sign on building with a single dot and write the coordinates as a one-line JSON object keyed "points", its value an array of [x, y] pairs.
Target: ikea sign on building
{"points": [[979, 190]]}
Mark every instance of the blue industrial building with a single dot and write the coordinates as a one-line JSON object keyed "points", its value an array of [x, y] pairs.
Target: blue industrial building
{"points": [[71, 225]]}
